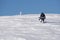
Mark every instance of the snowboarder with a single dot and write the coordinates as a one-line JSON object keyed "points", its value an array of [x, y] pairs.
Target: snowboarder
{"points": [[42, 17]]}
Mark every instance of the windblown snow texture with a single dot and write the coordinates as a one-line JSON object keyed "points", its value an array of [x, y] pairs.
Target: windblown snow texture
{"points": [[28, 27]]}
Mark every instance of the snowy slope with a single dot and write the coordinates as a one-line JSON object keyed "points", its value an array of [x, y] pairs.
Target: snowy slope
{"points": [[28, 27]]}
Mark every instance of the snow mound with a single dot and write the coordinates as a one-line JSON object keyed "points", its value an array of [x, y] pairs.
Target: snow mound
{"points": [[28, 27]]}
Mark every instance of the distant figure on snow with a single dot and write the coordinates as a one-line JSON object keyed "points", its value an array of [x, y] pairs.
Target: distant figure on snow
{"points": [[42, 17]]}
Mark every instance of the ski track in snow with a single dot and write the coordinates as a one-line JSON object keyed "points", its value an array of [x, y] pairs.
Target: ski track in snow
{"points": [[28, 27]]}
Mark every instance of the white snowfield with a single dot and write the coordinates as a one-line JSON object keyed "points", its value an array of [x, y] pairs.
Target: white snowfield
{"points": [[28, 27]]}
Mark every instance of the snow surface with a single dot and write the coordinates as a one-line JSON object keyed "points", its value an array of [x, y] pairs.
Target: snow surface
{"points": [[28, 27]]}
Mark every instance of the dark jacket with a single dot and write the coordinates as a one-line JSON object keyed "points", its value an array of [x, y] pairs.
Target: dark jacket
{"points": [[42, 16]]}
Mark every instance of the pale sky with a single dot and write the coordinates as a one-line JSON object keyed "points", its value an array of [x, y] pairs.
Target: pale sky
{"points": [[13, 7]]}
